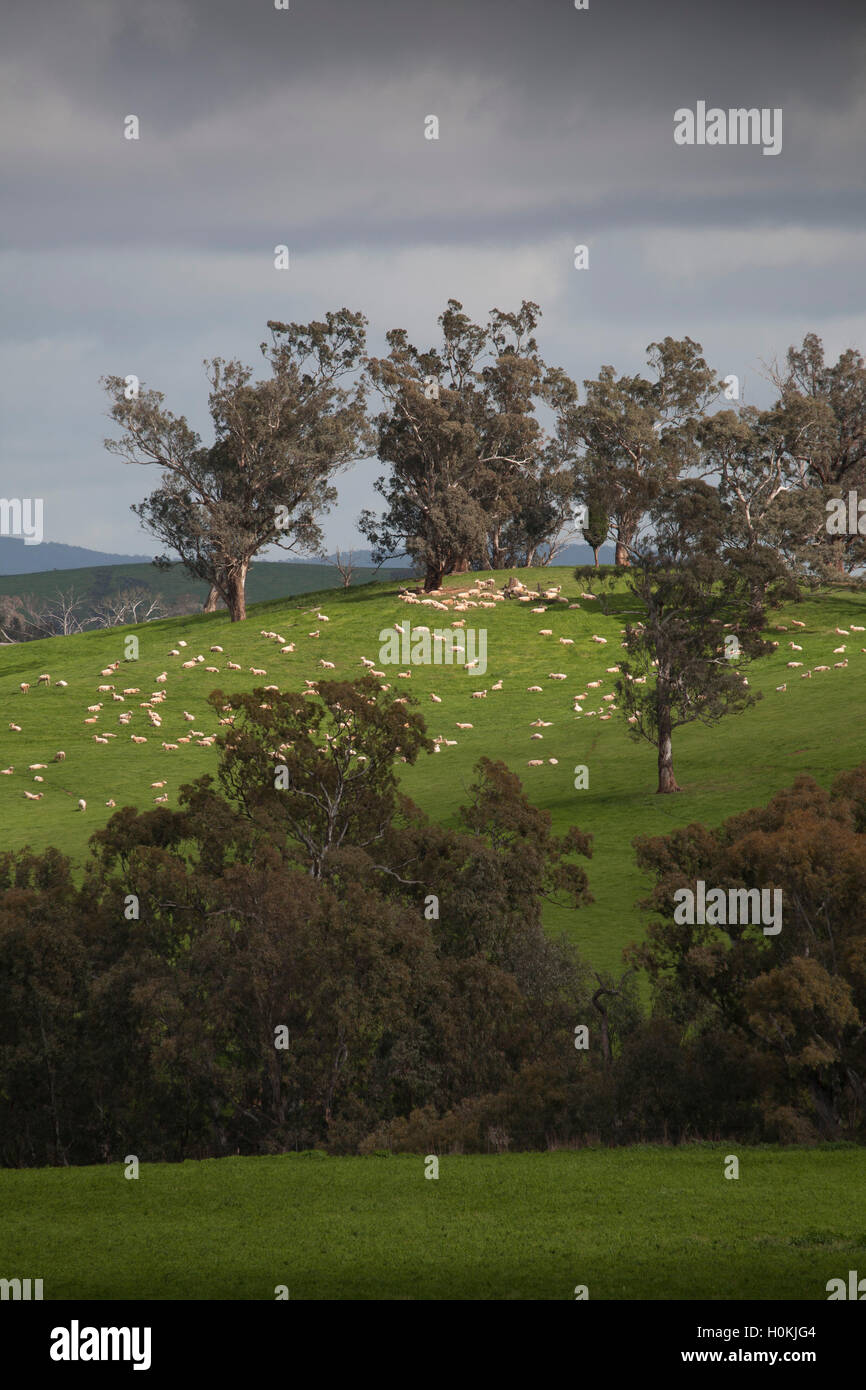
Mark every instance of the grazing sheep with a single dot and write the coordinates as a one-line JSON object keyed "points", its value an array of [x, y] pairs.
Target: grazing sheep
{"points": [[44, 679], [181, 644], [82, 804], [59, 757], [24, 687]]}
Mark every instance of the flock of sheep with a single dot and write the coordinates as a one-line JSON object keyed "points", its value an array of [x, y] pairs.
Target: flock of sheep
{"points": [[482, 594], [97, 713]]}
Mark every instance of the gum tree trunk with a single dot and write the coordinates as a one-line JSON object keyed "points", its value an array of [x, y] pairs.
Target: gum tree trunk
{"points": [[236, 600]]}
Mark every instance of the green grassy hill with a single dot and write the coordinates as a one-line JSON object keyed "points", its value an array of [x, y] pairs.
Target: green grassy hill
{"points": [[640, 1223], [815, 726]]}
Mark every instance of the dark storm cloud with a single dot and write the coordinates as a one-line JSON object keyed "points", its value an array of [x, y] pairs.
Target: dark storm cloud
{"points": [[306, 127]]}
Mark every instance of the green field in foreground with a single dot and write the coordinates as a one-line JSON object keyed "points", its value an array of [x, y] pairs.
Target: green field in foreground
{"points": [[640, 1223], [816, 726]]}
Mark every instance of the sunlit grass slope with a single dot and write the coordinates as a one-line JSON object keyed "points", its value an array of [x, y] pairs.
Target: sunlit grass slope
{"points": [[816, 726]]}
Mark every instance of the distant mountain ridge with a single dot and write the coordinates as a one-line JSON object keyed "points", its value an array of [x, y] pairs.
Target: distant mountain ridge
{"points": [[18, 558]]}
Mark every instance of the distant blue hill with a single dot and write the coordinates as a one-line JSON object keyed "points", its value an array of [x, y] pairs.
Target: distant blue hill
{"points": [[18, 558]]}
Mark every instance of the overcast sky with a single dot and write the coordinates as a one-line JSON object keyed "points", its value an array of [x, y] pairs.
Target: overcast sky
{"points": [[306, 127]]}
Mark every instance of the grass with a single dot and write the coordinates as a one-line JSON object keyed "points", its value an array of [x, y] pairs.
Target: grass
{"points": [[640, 1223], [815, 727]]}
